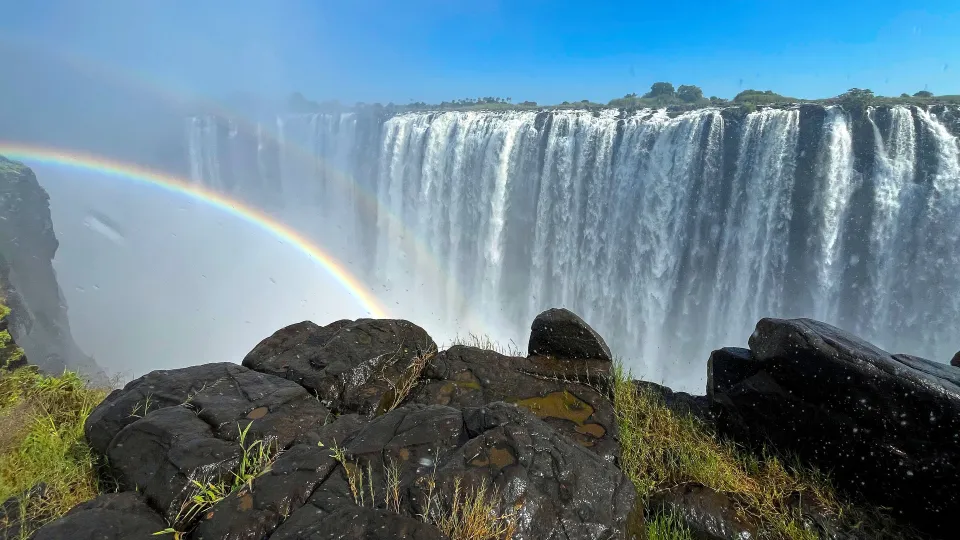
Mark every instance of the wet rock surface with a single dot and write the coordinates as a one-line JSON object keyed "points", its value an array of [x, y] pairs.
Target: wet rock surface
{"points": [[365, 452], [349, 365], [955, 361], [115, 516], [568, 394], [809, 388], [561, 333]]}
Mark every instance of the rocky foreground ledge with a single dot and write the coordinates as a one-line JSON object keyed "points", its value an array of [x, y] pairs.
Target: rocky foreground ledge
{"points": [[363, 429]]}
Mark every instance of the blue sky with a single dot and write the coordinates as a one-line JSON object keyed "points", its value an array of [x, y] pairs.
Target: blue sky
{"points": [[374, 50]]}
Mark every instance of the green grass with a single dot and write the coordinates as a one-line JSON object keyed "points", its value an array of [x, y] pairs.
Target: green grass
{"points": [[41, 441], [667, 526], [257, 458]]}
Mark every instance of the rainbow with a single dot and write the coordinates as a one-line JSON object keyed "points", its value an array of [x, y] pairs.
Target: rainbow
{"points": [[176, 185]]}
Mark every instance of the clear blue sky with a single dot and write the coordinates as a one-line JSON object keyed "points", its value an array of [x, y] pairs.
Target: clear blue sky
{"points": [[547, 51]]}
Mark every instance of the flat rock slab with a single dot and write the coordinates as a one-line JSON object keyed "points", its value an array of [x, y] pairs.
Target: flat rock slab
{"points": [[169, 428], [349, 365], [559, 489], [358, 523], [115, 516], [225, 395], [886, 426], [472, 377], [561, 333]]}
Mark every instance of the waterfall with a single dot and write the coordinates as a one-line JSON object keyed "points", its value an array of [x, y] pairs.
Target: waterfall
{"points": [[672, 234]]}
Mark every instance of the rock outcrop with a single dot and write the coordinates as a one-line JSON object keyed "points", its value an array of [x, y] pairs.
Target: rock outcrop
{"points": [[887, 426], [382, 436], [27, 247], [362, 429]]}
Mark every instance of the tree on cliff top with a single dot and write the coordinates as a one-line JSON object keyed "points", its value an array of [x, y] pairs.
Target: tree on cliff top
{"points": [[856, 98], [689, 93], [924, 94], [659, 89]]}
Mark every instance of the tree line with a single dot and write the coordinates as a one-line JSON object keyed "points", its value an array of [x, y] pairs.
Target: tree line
{"points": [[661, 94]]}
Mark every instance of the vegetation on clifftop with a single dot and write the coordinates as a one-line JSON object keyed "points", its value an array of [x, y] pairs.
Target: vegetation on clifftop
{"points": [[661, 95], [41, 440]]}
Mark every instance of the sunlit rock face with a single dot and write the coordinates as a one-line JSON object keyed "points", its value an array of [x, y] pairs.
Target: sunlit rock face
{"points": [[38, 318], [670, 232]]}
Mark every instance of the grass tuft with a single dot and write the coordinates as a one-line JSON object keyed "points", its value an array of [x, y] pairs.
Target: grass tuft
{"points": [[487, 343], [667, 526], [472, 514], [256, 459], [42, 442], [405, 383]]}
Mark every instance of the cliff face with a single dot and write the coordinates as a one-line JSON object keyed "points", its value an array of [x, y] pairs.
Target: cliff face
{"points": [[38, 319]]}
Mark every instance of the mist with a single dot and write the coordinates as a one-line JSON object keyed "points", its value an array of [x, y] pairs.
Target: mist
{"points": [[155, 280]]}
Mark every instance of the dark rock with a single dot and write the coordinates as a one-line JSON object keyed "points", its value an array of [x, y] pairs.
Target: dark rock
{"points": [[562, 489], [708, 514], [350, 365], [254, 511], [336, 432], [224, 395], [561, 333], [551, 388], [886, 426], [153, 391], [955, 361], [358, 523], [679, 402], [413, 434], [168, 428], [725, 368], [115, 516], [161, 453]]}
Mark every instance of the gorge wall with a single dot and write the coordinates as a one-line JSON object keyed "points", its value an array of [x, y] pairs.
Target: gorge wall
{"points": [[38, 318], [671, 233]]}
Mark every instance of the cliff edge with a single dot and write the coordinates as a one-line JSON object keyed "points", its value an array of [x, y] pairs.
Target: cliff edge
{"points": [[38, 319]]}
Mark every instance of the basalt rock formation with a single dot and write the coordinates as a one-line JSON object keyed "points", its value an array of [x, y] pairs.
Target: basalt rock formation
{"points": [[372, 398], [887, 426], [379, 429], [27, 246]]}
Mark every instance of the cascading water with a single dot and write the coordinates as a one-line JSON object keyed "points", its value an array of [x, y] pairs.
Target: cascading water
{"points": [[671, 234]]}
